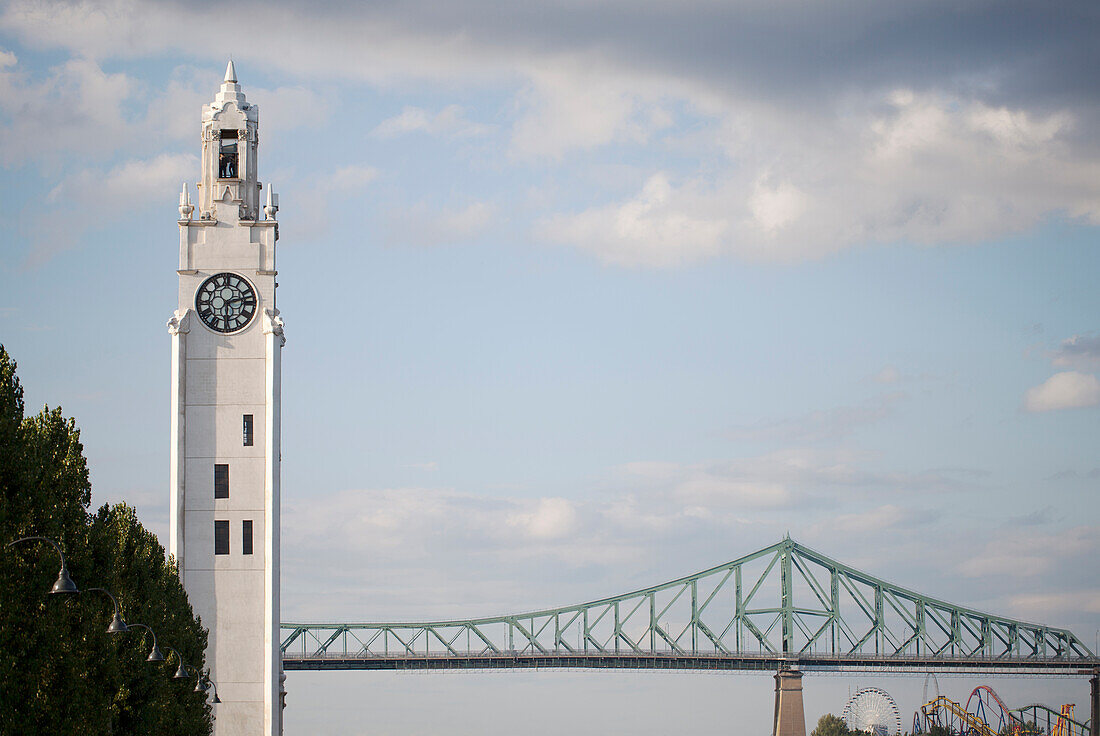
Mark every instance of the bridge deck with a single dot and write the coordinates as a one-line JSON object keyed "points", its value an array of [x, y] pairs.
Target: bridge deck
{"points": [[667, 661]]}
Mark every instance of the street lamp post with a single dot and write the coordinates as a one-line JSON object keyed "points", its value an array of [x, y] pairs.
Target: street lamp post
{"points": [[181, 673], [64, 583], [118, 626], [155, 655], [204, 683], [216, 698]]}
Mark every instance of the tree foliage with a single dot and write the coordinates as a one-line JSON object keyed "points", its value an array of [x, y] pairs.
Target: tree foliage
{"points": [[60, 671], [832, 725]]}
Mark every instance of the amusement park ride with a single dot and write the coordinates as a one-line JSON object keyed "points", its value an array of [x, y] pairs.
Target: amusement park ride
{"points": [[872, 710], [986, 714]]}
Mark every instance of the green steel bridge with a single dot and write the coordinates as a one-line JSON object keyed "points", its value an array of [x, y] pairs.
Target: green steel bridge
{"points": [[785, 606]]}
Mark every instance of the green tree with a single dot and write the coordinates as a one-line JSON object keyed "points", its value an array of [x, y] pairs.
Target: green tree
{"points": [[60, 671], [830, 725]]}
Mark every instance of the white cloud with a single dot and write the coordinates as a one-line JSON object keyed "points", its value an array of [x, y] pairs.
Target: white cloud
{"points": [[313, 196], [94, 197], [286, 108], [348, 179], [426, 226], [773, 208], [651, 512], [449, 122], [551, 518], [878, 519], [1079, 350], [1021, 554], [580, 104], [761, 174], [1066, 390], [77, 108], [1016, 128], [927, 168], [173, 107], [129, 182], [661, 226], [1055, 606], [704, 491], [80, 108]]}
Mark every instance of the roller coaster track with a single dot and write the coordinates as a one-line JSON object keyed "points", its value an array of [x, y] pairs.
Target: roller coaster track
{"points": [[784, 605], [1048, 719], [974, 726], [988, 706]]}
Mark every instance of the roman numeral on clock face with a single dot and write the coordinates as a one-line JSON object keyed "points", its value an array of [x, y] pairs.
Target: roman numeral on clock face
{"points": [[225, 302]]}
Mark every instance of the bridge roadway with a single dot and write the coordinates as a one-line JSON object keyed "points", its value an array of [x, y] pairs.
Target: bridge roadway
{"points": [[783, 607], [667, 661]]}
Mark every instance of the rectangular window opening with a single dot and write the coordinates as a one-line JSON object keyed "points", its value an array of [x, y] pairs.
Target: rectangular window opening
{"points": [[221, 480], [227, 155], [221, 537], [248, 430], [246, 536]]}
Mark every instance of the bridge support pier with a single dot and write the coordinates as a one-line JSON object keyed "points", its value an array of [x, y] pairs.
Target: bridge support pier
{"points": [[790, 718], [1094, 700]]}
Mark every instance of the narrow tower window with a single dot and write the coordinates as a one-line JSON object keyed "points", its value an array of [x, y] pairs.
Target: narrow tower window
{"points": [[248, 430], [246, 537], [221, 537], [227, 155], [221, 480]]}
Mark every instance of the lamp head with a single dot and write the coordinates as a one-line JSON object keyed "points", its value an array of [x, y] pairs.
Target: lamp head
{"points": [[156, 655], [118, 626], [181, 673], [200, 685], [64, 583]]}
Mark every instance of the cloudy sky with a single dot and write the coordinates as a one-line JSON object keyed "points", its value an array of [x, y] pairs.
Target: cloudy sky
{"points": [[582, 296]]}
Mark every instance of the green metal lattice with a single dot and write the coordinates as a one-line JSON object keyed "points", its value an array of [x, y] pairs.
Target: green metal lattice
{"points": [[784, 603]]}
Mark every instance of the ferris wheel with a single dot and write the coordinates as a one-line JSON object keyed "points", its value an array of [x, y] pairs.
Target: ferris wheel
{"points": [[872, 709]]}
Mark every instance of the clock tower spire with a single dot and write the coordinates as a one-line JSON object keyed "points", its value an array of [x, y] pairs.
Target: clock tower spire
{"points": [[227, 339], [230, 138]]}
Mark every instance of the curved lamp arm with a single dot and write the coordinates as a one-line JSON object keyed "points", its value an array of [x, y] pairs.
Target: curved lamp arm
{"points": [[155, 655], [64, 583], [118, 626], [204, 683], [181, 673]]}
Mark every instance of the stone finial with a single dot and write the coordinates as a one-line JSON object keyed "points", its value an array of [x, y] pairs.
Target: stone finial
{"points": [[230, 72], [186, 208], [272, 204]]}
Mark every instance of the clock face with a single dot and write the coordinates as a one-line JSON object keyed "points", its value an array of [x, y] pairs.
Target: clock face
{"points": [[225, 302]]}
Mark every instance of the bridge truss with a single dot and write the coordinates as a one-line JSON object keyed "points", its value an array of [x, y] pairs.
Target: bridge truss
{"points": [[783, 605]]}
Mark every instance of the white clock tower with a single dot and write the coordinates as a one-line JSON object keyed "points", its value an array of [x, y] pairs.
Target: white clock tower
{"points": [[227, 339]]}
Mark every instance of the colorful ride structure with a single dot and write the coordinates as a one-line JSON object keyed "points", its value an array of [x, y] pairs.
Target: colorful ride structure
{"points": [[984, 704], [986, 714], [946, 713], [1038, 718], [872, 710]]}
